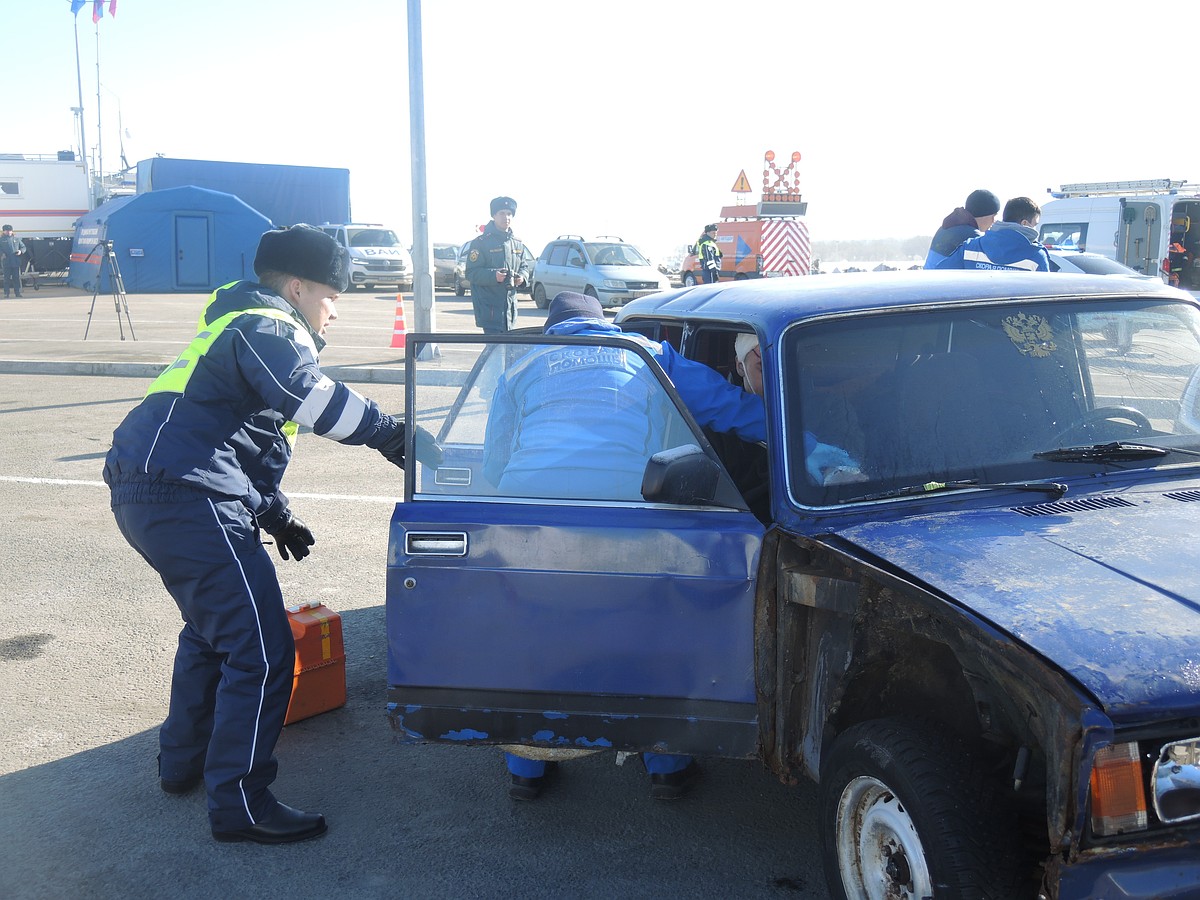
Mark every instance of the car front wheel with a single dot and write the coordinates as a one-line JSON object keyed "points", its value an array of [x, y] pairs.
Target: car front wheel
{"points": [[689, 279], [907, 813]]}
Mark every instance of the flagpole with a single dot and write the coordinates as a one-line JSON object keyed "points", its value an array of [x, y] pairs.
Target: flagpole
{"points": [[99, 130], [79, 114]]}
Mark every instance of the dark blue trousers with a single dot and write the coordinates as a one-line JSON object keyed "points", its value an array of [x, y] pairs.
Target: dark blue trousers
{"points": [[236, 656]]}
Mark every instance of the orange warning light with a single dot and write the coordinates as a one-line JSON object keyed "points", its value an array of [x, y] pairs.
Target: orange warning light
{"points": [[795, 156], [770, 157]]}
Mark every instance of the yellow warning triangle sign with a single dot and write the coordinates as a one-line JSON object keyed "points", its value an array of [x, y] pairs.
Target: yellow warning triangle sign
{"points": [[742, 185]]}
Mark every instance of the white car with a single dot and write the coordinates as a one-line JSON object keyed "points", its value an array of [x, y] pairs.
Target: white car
{"points": [[1079, 261]]}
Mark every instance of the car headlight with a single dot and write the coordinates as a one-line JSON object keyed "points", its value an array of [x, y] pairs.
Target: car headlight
{"points": [[1176, 781], [612, 284], [1119, 782]]}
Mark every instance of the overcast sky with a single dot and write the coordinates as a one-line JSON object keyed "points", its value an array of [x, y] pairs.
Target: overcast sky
{"points": [[627, 118]]}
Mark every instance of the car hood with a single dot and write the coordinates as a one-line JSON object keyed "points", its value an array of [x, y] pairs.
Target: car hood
{"points": [[1106, 587]]}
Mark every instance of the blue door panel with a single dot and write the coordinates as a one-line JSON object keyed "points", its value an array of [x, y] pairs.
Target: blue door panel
{"points": [[562, 601]]}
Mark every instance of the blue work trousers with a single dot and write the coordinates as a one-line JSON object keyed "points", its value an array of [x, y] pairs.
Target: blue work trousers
{"points": [[12, 280], [236, 657]]}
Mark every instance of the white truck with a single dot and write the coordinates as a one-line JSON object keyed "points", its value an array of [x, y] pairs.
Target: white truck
{"points": [[1152, 226], [42, 196], [377, 257]]}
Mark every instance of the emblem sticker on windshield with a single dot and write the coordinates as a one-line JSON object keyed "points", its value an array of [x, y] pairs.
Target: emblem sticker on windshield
{"points": [[1031, 335]]}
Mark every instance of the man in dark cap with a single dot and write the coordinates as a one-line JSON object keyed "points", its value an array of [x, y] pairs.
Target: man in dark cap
{"points": [[970, 220], [195, 473], [708, 255], [12, 253], [541, 441], [497, 264]]}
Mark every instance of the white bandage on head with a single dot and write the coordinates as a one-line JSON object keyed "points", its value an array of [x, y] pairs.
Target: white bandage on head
{"points": [[743, 344]]}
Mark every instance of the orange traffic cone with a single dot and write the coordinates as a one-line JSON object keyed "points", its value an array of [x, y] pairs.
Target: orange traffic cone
{"points": [[400, 331]]}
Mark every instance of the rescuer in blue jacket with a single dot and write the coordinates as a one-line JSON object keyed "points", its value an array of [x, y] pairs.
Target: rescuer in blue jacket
{"points": [[1010, 244], [195, 472], [536, 444]]}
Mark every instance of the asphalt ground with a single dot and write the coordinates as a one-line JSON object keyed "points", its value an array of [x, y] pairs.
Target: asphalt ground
{"points": [[87, 639]]}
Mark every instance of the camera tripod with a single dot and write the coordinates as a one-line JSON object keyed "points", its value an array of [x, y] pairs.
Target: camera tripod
{"points": [[120, 298]]}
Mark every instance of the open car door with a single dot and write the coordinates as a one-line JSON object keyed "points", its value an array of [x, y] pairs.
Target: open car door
{"points": [[566, 612]]}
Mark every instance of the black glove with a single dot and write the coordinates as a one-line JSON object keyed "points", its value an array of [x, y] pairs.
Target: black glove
{"points": [[292, 534], [393, 448]]}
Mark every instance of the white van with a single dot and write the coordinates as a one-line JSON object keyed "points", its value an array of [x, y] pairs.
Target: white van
{"points": [[1152, 226], [377, 257]]}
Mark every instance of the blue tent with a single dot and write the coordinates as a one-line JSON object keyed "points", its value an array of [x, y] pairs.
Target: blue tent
{"points": [[178, 240]]}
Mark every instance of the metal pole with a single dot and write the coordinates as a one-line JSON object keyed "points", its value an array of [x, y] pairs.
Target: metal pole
{"points": [[99, 128], [422, 251], [82, 134]]}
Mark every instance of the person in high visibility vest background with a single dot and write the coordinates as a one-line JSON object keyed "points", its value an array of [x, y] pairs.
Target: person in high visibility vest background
{"points": [[708, 254], [194, 471]]}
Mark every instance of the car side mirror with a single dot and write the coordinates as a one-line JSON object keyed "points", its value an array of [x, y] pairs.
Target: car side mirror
{"points": [[691, 248], [680, 475]]}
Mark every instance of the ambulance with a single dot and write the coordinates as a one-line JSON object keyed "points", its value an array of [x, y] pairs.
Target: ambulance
{"points": [[1152, 226]]}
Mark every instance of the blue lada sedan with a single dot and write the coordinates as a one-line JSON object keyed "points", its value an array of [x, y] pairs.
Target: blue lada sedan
{"points": [[978, 633]]}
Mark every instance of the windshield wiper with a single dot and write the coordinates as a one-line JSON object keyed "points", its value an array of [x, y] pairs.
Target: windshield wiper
{"points": [[1115, 450], [1054, 488]]}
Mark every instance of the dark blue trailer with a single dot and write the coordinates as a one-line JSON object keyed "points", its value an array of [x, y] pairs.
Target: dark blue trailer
{"points": [[286, 195]]}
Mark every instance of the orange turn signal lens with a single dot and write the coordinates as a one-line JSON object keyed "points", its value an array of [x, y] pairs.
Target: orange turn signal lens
{"points": [[1118, 790]]}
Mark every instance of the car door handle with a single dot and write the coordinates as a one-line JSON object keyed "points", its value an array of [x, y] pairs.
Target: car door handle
{"points": [[435, 543]]}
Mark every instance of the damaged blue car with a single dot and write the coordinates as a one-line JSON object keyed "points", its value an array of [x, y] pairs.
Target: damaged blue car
{"points": [[979, 632]]}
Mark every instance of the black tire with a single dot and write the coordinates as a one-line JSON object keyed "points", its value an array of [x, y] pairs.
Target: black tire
{"points": [[459, 290], [539, 296], [689, 279], [907, 812], [591, 292]]}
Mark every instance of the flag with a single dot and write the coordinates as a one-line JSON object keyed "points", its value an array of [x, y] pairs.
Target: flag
{"points": [[76, 6], [97, 10], [112, 8]]}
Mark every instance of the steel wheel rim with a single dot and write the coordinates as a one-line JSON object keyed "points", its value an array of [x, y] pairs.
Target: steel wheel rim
{"points": [[880, 855]]}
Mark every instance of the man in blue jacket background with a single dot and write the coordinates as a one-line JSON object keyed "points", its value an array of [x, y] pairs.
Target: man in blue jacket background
{"points": [[1010, 244], [970, 220], [195, 472]]}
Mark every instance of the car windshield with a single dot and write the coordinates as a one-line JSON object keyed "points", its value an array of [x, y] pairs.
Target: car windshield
{"points": [[445, 253], [892, 402], [372, 237], [612, 254]]}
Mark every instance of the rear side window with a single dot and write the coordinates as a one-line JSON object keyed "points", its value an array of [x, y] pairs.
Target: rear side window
{"points": [[1065, 236], [558, 255]]}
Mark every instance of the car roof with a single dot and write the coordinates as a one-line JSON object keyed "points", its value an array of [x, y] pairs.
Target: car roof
{"points": [[770, 304]]}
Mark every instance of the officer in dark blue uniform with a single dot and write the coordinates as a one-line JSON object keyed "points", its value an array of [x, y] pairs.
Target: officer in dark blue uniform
{"points": [[497, 264], [194, 472]]}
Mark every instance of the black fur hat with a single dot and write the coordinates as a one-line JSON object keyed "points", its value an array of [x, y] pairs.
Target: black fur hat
{"points": [[305, 252], [504, 203]]}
